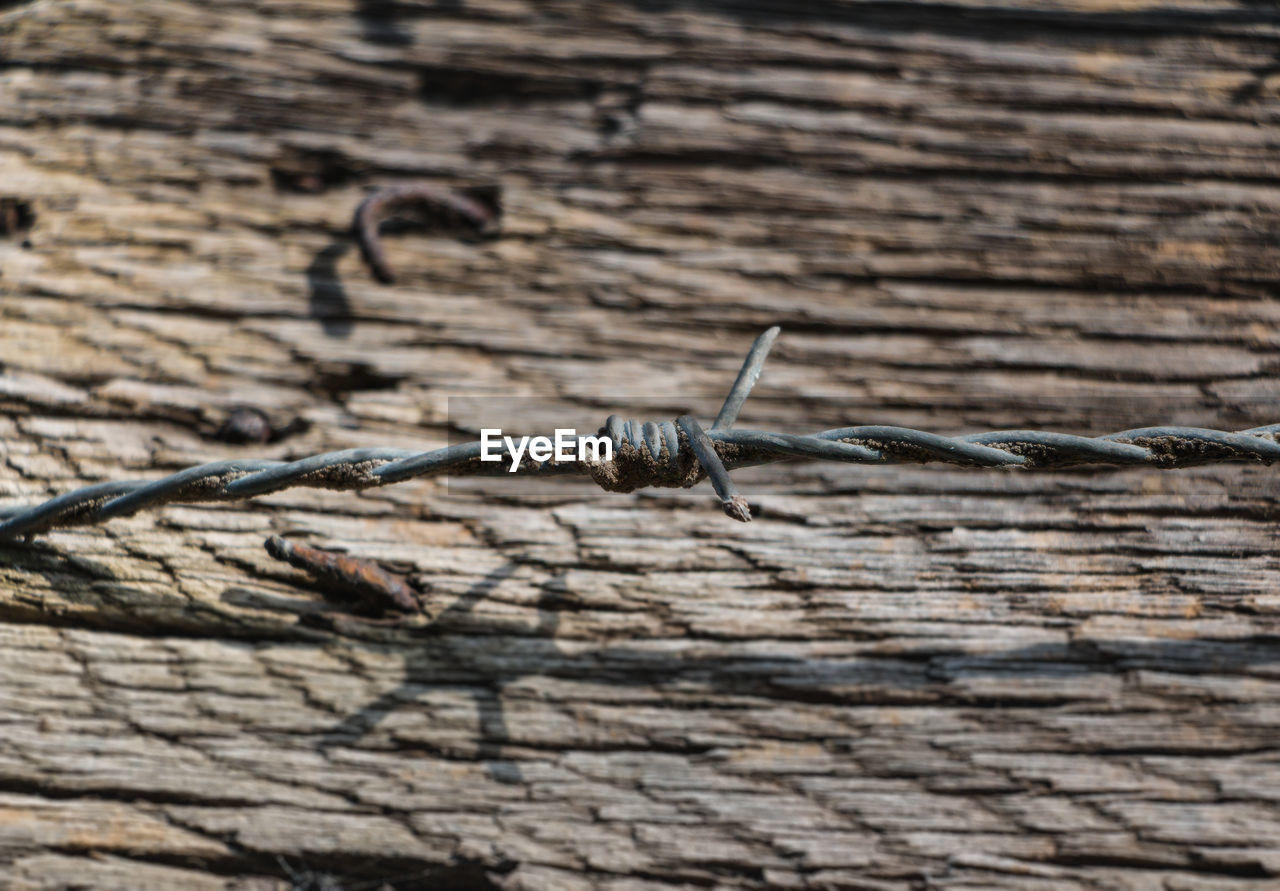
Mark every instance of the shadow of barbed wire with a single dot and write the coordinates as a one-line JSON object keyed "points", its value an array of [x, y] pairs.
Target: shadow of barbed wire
{"points": [[937, 674]]}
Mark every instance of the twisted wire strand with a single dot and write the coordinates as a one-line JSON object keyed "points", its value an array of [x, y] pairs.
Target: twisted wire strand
{"points": [[670, 454]]}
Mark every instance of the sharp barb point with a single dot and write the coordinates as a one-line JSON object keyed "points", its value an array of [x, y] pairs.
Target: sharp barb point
{"points": [[746, 379]]}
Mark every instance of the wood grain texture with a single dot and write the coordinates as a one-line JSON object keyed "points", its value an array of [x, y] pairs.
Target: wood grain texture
{"points": [[965, 215]]}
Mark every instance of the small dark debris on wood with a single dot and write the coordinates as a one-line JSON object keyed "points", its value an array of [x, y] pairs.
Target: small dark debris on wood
{"points": [[312, 172], [252, 426], [245, 425], [350, 577]]}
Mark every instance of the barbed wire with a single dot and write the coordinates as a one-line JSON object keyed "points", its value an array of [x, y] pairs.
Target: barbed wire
{"points": [[673, 454]]}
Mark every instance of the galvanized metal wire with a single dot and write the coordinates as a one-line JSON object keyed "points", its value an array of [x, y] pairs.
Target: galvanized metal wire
{"points": [[670, 454]]}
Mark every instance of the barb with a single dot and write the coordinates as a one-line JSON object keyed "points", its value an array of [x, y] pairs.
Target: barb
{"points": [[731, 500], [746, 379], [667, 454], [383, 203]]}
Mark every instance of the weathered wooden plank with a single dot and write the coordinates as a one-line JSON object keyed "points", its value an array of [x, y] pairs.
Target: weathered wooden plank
{"points": [[968, 214]]}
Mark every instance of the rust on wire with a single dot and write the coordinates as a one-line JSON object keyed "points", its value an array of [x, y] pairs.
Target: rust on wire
{"points": [[385, 203]]}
